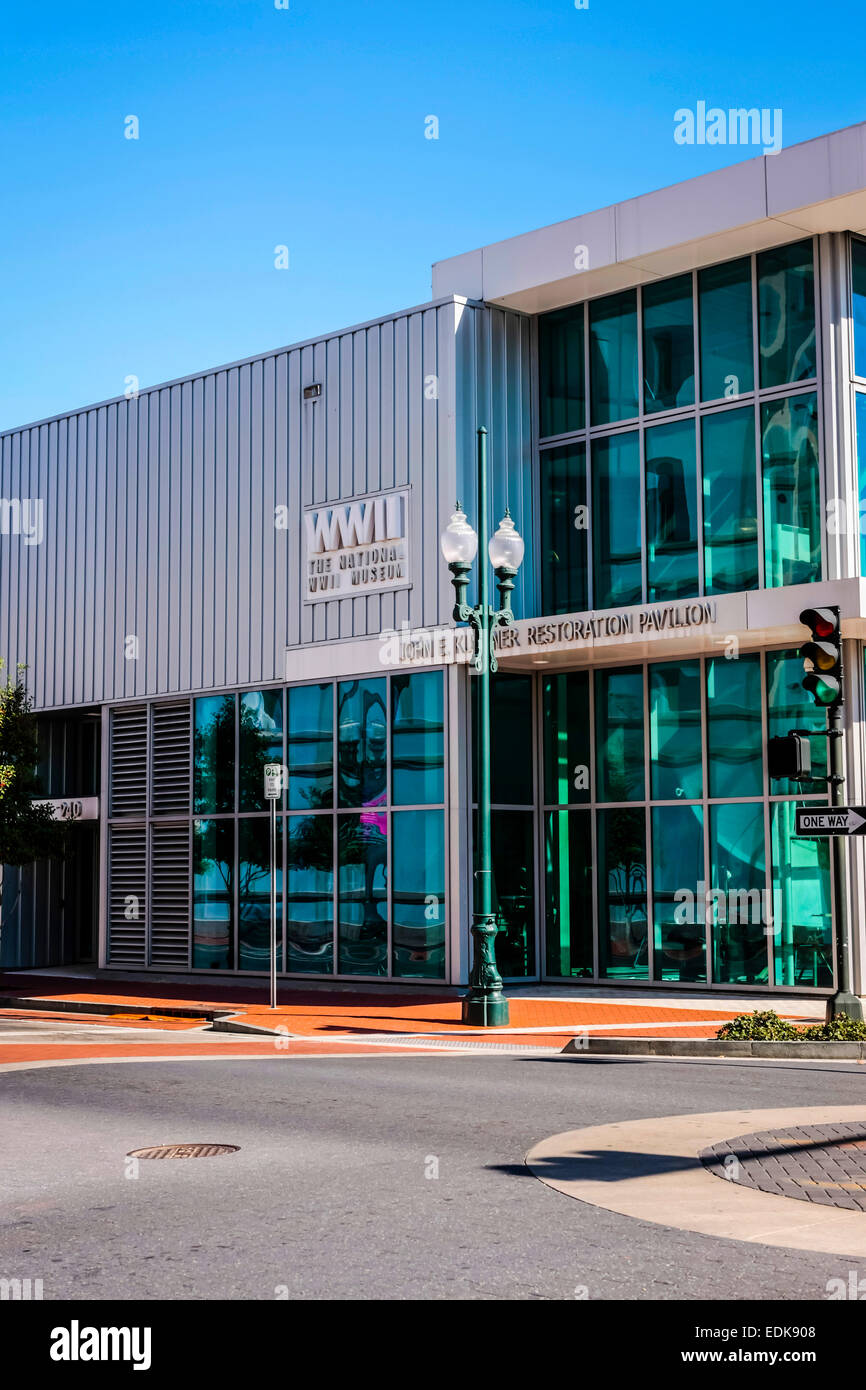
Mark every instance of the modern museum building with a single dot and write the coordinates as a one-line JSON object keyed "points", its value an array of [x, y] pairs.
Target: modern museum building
{"points": [[244, 567]]}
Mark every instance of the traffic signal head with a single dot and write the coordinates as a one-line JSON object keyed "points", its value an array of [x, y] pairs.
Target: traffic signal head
{"points": [[823, 655]]}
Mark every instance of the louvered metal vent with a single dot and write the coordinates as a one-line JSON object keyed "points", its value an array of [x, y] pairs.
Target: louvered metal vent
{"points": [[169, 760], [128, 762], [127, 903], [169, 894]]}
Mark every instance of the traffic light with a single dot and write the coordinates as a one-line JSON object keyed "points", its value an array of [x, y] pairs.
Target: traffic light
{"points": [[823, 656], [790, 757]]}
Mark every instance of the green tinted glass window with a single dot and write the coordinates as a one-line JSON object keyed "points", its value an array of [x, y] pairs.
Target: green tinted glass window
{"points": [[510, 744], [789, 706], [730, 501], [802, 923], [568, 909], [565, 713], [363, 893], [734, 726], [675, 730], [725, 316], [362, 752], [417, 739], [622, 894], [858, 255], [564, 530], [860, 408], [418, 894], [738, 894], [261, 741], [561, 371], [214, 754], [671, 511], [616, 521], [514, 891], [254, 893], [310, 894], [619, 741], [213, 862], [792, 491], [311, 747], [679, 905], [613, 358], [786, 314], [668, 344]]}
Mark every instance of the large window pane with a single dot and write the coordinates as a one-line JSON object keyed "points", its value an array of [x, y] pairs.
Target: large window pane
{"points": [[362, 746], [418, 894], [213, 849], [619, 741], [510, 744], [802, 923], [725, 311], [668, 344], [738, 907], [564, 530], [792, 490], [730, 501], [613, 358], [860, 402], [671, 511], [514, 892], [310, 894], [622, 907], [568, 893], [261, 739], [214, 754], [675, 730], [565, 714], [363, 889], [616, 521], [417, 740], [311, 747], [561, 371], [789, 706], [786, 314], [858, 255], [734, 729], [254, 893], [678, 869]]}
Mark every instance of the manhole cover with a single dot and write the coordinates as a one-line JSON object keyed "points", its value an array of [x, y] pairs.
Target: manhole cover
{"points": [[184, 1151], [814, 1163]]}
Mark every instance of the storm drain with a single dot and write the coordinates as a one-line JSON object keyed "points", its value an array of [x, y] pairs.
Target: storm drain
{"points": [[184, 1151]]}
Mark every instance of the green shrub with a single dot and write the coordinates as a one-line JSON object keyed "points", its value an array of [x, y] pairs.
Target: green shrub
{"points": [[769, 1027], [841, 1029]]}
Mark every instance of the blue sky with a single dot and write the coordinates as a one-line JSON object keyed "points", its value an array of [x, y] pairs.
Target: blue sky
{"points": [[305, 127]]}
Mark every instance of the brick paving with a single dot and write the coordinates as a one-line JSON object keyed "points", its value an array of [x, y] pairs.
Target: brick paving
{"points": [[824, 1164]]}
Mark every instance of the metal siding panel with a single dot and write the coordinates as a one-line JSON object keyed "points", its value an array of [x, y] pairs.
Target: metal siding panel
{"points": [[289, 465], [188, 562], [245, 519]]}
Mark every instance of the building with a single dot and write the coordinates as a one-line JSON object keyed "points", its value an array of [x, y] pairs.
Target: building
{"points": [[244, 566]]}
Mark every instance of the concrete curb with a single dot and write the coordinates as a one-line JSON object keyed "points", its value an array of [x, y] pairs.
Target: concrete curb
{"points": [[713, 1047], [226, 1024], [84, 1006]]}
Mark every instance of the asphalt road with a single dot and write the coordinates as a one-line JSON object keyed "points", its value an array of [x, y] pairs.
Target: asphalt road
{"points": [[329, 1195]]}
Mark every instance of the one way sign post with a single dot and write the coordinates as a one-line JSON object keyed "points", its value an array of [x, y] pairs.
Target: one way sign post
{"points": [[831, 820]]}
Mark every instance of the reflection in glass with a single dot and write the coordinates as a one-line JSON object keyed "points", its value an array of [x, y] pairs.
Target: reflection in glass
{"points": [[363, 890], [671, 511], [786, 314], [561, 371], [565, 714], [213, 851], [310, 894], [418, 895], [254, 893], [802, 922], [514, 892], [616, 521], [214, 754], [622, 885], [568, 893], [730, 501], [860, 406], [417, 739], [362, 743], [311, 747], [789, 706], [668, 344], [738, 906], [792, 491], [725, 312], [564, 530], [858, 256], [619, 741], [678, 871], [734, 733], [675, 730], [510, 745], [261, 740], [613, 358]]}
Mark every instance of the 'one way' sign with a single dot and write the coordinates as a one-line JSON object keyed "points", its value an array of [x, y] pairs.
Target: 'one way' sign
{"points": [[831, 820]]}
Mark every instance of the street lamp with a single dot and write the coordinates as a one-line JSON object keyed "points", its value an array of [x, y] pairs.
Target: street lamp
{"points": [[485, 1004]]}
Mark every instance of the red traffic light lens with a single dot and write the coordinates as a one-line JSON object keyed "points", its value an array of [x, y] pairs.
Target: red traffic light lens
{"points": [[823, 628]]}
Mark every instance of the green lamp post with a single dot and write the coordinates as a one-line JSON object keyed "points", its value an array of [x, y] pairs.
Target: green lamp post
{"points": [[485, 1005]]}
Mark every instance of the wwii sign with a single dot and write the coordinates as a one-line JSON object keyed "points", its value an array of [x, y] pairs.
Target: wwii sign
{"points": [[831, 820]]}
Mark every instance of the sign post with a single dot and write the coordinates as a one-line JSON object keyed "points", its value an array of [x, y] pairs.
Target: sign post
{"points": [[273, 792]]}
